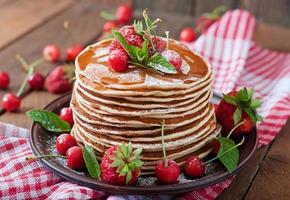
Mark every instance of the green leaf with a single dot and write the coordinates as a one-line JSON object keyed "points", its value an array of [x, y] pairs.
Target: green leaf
{"points": [[230, 99], [137, 152], [139, 27], [237, 115], [243, 95], [255, 103], [91, 162], [128, 177], [117, 163], [228, 153], [124, 170], [49, 120], [158, 62], [124, 150]]}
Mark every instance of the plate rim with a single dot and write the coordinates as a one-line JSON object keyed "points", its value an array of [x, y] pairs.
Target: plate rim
{"points": [[86, 181]]}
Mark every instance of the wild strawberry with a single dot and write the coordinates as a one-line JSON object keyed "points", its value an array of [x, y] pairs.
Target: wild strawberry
{"points": [[166, 171], [73, 51], [118, 60], [131, 36], [121, 165], [51, 53], [75, 159], [194, 167], [187, 35], [4, 80], [159, 45], [66, 114], [124, 13], [64, 142], [238, 107], [174, 58], [109, 26], [167, 174], [36, 81], [57, 81], [11, 102]]}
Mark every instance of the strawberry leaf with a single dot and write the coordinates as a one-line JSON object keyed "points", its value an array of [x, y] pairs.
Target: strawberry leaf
{"points": [[128, 177], [49, 120], [237, 115], [91, 162], [255, 103], [228, 153], [230, 99]]}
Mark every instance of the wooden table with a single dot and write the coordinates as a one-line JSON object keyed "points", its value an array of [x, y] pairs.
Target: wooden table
{"points": [[27, 26]]}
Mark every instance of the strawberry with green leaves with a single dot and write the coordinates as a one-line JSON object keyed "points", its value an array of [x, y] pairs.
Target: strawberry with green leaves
{"points": [[238, 107], [121, 165]]}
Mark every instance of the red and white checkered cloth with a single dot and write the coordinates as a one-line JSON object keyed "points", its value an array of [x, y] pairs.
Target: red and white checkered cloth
{"points": [[236, 61]]}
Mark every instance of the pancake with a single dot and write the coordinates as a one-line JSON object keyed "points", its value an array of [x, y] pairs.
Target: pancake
{"points": [[111, 108]]}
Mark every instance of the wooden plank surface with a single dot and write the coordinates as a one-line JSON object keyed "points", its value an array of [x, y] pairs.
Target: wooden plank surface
{"points": [[21, 16], [86, 26], [273, 178]]}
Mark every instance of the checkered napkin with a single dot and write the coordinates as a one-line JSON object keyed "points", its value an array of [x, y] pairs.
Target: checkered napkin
{"points": [[236, 61]]}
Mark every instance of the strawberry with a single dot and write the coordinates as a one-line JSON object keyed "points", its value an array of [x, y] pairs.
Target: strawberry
{"points": [[58, 80], [238, 107], [121, 165], [131, 37]]}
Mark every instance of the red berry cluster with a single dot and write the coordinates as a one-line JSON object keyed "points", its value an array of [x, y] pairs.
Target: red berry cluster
{"points": [[119, 59]]}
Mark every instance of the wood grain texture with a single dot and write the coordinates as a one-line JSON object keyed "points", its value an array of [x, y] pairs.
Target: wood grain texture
{"points": [[184, 7], [21, 16], [86, 26], [243, 179], [273, 178]]}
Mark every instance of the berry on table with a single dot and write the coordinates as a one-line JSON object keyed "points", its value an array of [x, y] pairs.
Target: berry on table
{"points": [[73, 51], [57, 81], [64, 142], [75, 159], [36, 81], [51, 53], [124, 13], [194, 167], [166, 171], [121, 165], [4, 80], [174, 58], [11, 102], [66, 114], [238, 109], [118, 60], [187, 35], [167, 174], [110, 25]]}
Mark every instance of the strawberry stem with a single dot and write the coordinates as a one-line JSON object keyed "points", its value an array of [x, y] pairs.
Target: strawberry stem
{"points": [[43, 156], [225, 152], [23, 62], [107, 15], [235, 127], [68, 31], [163, 144], [167, 40]]}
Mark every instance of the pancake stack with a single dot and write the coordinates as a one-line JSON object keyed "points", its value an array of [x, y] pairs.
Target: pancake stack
{"points": [[110, 107]]}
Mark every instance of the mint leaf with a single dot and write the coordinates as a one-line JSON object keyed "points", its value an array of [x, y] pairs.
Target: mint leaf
{"points": [[237, 115], [228, 153], [91, 162], [158, 62], [230, 99], [49, 120]]}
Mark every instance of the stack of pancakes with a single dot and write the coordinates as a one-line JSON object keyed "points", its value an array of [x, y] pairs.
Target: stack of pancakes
{"points": [[110, 107]]}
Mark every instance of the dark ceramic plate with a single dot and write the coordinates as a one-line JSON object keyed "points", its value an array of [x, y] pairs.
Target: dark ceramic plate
{"points": [[43, 142]]}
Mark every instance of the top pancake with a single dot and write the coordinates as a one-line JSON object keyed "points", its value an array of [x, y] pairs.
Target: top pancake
{"points": [[92, 64]]}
